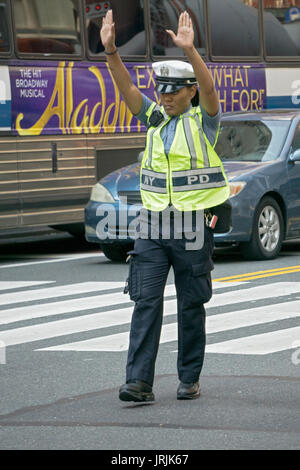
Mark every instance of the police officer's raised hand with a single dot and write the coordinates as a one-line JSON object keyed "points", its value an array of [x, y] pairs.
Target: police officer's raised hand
{"points": [[130, 93], [185, 33], [107, 32], [184, 39]]}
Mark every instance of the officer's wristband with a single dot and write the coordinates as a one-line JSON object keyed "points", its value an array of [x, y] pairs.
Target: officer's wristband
{"points": [[111, 53]]}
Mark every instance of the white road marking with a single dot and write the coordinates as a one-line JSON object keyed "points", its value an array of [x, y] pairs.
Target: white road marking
{"points": [[41, 310], [214, 323], [58, 260], [265, 291], [265, 343], [120, 316], [108, 300], [76, 324], [9, 285], [56, 291]]}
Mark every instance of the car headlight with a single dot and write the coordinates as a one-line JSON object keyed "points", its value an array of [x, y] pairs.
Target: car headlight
{"points": [[236, 187], [101, 194]]}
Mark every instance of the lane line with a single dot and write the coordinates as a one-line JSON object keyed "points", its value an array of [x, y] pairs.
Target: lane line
{"points": [[246, 275], [59, 260], [269, 275]]}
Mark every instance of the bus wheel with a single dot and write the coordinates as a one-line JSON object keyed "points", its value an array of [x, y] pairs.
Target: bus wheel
{"points": [[267, 232]]}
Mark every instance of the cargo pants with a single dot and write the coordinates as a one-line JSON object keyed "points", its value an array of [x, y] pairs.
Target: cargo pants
{"points": [[149, 265]]}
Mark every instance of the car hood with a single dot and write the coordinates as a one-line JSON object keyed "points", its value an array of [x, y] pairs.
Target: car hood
{"points": [[238, 169], [127, 178], [123, 179]]}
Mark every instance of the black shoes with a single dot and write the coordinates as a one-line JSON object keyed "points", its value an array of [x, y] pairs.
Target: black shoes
{"points": [[136, 391], [139, 391], [188, 391]]}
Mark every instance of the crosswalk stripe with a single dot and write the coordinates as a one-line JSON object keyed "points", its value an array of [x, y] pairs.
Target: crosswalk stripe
{"points": [[214, 323], [75, 305], [74, 325], [78, 324], [120, 316], [9, 285], [264, 343], [57, 291], [255, 293]]}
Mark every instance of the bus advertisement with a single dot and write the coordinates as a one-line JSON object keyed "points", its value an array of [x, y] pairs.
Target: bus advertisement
{"points": [[51, 100]]}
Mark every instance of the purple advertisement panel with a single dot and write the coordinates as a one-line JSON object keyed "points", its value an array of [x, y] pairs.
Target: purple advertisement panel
{"points": [[240, 87], [76, 98]]}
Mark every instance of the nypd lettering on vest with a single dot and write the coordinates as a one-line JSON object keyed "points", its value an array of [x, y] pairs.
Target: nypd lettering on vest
{"points": [[196, 179], [153, 181], [149, 180], [202, 178]]}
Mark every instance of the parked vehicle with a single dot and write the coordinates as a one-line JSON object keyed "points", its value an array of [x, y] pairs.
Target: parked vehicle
{"points": [[260, 152]]}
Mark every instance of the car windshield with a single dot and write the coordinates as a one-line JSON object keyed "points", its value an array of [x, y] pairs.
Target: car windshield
{"points": [[255, 141]]}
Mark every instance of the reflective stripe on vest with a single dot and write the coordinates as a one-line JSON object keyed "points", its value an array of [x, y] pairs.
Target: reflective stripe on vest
{"points": [[190, 140], [153, 107], [202, 141], [149, 161]]}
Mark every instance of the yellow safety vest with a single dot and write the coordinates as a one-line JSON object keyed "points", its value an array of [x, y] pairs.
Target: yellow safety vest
{"points": [[191, 177]]}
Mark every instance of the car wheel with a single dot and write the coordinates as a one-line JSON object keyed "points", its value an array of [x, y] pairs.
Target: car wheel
{"points": [[267, 232], [116, 252]]}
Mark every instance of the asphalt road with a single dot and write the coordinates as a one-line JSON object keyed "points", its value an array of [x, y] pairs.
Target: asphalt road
{"points": [[64, 325]]}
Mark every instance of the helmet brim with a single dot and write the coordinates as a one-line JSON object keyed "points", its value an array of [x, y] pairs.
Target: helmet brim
{"points": [[170, 85]]}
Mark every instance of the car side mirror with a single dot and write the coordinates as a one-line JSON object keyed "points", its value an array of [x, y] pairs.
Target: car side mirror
{"points": [[295, 156]]}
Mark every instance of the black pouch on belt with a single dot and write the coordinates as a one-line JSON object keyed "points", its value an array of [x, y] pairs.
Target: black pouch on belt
{"points": [[133, 282], [224, 214]]}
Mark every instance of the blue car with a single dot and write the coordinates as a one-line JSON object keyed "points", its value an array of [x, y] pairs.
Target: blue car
{"points": [[260, 152]]}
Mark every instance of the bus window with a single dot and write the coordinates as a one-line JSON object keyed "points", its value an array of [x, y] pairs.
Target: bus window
{"points": [[129, 24], [282, 27], [234, 28], [47, 26], [4, 36], [164, 15]]}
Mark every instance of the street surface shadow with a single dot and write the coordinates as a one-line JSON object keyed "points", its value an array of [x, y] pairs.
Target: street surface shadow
{"points": [[239, 403]]}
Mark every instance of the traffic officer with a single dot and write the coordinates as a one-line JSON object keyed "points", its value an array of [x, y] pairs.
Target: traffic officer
{"points": [[181, 170]]}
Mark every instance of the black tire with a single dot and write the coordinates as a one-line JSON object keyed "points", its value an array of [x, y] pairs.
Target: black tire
{"points": [[116, 252], [76, 230], [267, 232]]}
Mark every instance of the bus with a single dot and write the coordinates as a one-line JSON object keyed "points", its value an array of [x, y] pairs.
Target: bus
{"points": [[63, 123]]}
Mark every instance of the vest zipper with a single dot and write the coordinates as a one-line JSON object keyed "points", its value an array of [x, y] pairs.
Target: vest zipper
{"points": [[169, 172], [168, 179]]}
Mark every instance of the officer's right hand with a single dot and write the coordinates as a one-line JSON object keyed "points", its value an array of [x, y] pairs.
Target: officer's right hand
{"points": [[107, 32], [185, 33]]}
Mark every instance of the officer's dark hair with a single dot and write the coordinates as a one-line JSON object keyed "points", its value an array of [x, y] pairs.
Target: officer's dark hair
{"points": [[195, 100]]}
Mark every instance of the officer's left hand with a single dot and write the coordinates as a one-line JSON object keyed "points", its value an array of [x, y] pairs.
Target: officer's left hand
{"points": [[185, 33]]}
